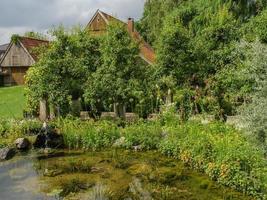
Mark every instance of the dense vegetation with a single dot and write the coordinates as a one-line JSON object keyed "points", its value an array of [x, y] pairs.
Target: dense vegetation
{"points": [[210, 54], [216, 149], [211, 59]]}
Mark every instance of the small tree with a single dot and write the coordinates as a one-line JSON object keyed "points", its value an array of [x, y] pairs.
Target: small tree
{"points": [[62, 69], [121, 76]]}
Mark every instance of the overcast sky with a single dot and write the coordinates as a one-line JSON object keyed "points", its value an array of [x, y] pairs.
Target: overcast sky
{"points": [[19, 16]]}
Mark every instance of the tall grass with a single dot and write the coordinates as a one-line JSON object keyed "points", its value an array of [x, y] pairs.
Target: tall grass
{"points": [[88, 135]]}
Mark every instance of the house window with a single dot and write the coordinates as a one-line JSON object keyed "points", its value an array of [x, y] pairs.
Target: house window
{"points": [[15, 60]]}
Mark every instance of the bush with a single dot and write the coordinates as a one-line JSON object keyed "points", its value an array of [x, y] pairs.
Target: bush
{"points": [[219, 151], [10, 130], [88, 135], [148, 135]]}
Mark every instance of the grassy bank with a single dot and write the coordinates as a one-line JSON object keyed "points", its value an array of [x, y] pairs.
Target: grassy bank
{"points": [[12, 101], [215, 149]]}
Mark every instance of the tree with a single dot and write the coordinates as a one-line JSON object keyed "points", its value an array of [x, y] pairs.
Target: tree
{"points": [[121, 77], [256, 28], [155, 12], [173, 51], [255, 112], [62, 69]]}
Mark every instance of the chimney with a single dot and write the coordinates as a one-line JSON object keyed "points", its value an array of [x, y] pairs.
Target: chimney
{"points": [[130, 25]]}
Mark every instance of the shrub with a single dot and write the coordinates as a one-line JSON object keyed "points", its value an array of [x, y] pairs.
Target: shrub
{"points": [[219, 151], [88, 135], [10, 130], [148, 135]]}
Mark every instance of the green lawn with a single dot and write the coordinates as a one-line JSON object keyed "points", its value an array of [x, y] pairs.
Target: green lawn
{"points": [[12, 101]]}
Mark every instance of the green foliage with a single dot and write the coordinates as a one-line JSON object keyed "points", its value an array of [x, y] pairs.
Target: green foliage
{"points": [[256, 28], [216, 149], [62, 69], [147, 135], [254, 112], [156, 11], [15, 39], [88, 135], [221, 152], [196, 47], [10, 130], [173, 61], [121, 77], [19, 127]]}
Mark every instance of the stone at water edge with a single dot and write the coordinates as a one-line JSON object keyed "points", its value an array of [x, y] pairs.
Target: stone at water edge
{"points": [[49, 140], [7, 153], [40, 141], [22, 143]]}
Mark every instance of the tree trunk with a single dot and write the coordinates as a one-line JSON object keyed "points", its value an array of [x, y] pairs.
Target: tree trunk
{"points": [[43, 112], [120, 110]]}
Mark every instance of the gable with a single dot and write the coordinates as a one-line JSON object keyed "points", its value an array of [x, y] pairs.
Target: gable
{"points": [[98, 24], [16, 55]]}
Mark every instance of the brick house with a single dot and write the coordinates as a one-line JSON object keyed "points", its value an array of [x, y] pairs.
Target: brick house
{"points": [[17, 59], [98, 25]]}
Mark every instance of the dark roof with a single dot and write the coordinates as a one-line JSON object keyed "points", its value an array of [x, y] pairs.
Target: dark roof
{"points": [[31, 43], [3, 47]]}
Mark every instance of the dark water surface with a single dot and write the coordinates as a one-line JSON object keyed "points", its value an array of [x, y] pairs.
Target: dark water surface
{"points": [[113, 174]]}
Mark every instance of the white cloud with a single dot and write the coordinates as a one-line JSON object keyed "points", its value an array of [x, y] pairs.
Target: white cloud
{"points": [[19, 16]]}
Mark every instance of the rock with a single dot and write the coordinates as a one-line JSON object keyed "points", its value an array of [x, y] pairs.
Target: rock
{"points": [[7, 153], [22, 143], [49, 139], [40, 141]]}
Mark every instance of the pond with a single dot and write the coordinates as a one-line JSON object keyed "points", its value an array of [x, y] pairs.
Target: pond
{"points": [[113, 174]]}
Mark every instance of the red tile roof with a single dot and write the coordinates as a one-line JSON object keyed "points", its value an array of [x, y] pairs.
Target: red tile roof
{"points": [[145, 49], [31, 43]]}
